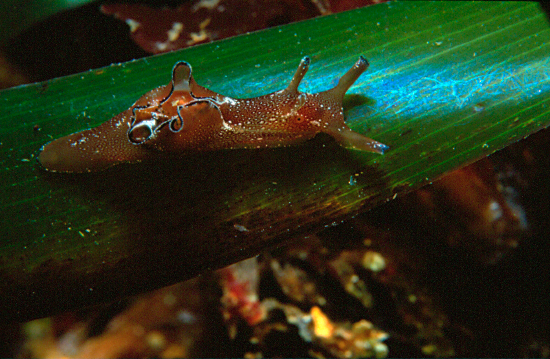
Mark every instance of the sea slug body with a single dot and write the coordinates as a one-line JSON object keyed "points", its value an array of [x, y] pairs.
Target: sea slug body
{"points": [[184, 116]]}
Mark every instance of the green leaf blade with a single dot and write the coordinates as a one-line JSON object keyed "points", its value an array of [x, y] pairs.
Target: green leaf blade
{"points": [[449, 82]]}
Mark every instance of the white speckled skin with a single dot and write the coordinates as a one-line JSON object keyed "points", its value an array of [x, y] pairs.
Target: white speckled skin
{"points": [[184, 116]]}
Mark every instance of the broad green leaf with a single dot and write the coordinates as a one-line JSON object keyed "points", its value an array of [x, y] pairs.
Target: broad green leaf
{"points": [[449, 82]]}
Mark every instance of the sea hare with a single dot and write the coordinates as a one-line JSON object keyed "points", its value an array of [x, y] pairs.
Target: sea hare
{"points": [[184, 116]]}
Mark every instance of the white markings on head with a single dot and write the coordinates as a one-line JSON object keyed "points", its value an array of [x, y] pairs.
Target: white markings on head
{"points": [[226, 126], [227, 100]]}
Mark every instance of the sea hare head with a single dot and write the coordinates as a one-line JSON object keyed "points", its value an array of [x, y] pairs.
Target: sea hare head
{"points": [[115, 141]]}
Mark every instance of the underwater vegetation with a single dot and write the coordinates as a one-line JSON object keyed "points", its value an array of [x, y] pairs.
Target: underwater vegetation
{"points": [[293, 244]]}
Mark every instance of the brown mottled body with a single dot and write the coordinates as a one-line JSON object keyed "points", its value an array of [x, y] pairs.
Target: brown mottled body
{"points": [[186, 116]]}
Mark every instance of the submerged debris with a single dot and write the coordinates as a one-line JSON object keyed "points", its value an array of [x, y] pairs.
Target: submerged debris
{"points": [[240, 298], [340, 340], [166, 323], [479, 211], [158, 30]]}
